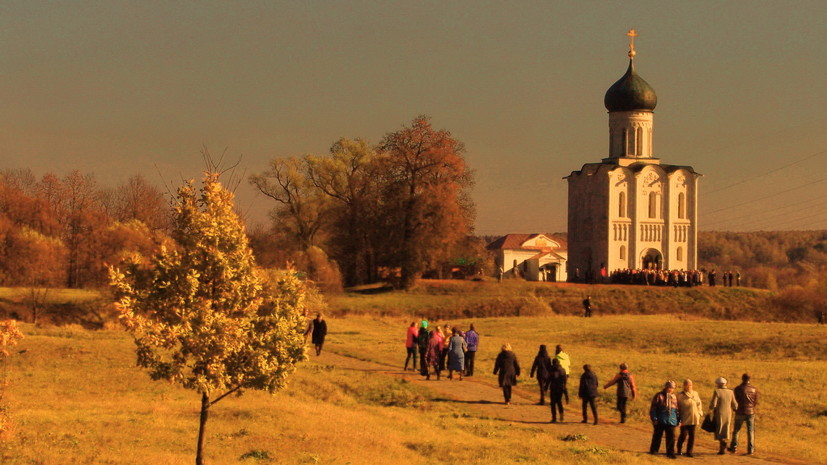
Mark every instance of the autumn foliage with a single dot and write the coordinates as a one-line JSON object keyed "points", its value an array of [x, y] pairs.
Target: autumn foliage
{"points": [[201, 312]]}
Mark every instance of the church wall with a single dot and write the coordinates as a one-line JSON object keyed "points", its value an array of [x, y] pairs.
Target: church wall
{"points": [[650, 207], [588, 221], [621, 212]]}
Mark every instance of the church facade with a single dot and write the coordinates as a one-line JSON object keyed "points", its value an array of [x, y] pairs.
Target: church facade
{"points": [[630, 210]]}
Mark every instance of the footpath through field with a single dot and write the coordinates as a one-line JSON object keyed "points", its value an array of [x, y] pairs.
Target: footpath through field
{"points": [[486, 399]]}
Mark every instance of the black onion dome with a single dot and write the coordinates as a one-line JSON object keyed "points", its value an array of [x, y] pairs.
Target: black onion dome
{"points": [[630, 92]]}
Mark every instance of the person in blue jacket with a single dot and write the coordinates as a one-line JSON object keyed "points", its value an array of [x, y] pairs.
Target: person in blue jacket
{"points": [[664, 415]]}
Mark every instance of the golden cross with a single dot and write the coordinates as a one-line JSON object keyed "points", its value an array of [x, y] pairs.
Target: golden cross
{"points": [[632, 34]]}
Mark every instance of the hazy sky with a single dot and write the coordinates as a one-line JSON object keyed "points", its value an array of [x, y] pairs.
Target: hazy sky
{"points": [[121, 88]]}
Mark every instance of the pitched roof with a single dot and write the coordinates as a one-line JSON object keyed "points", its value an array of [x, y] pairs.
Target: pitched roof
{"points": [[516, 241]]}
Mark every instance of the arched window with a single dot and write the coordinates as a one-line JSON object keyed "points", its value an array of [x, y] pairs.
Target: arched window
{"points": [[623, 252], [680, 254], [631, 142], [653, 205], [621, 205], [639, 141], [681, 206]]}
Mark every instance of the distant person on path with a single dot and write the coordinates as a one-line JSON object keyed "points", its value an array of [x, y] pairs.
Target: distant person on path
{"points": [[722, 404], [556, 386], [508, 369], [746, 395], [542, 366], [411, 345], [317, 330], [626, 388], [821, 318], [422, 341], [456, 354], [691, 412], [565, 362], [711, 275], [434, 354], [588, 392], [472, 340], [664, 415], [738, 278], [500, 273], [587, 307]]}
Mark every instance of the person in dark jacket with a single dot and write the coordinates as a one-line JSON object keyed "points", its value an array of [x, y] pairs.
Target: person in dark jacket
{"points": [[542, 366], [317, 330], [557, 386], [422, 341], [747, 397], [625, 389], [588, 392], [509, 369], [664, 415]]}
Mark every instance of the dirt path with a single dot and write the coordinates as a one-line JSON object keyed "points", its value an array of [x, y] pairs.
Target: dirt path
{"points": [[486, 399]]}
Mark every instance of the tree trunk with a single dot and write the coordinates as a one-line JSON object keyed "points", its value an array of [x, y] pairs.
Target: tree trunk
{"points": [[205, 410]]}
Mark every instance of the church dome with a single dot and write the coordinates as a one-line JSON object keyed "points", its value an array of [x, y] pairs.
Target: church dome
{"points": [[630, 93]]}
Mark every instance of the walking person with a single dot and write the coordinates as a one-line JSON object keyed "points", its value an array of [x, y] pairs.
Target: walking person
{"points": [[664, 415], [626, 388], [587, 307], [434, 354], [422, 341], [509, 369], [746, 395], [691, 411], [318, 331], [556, 387], [542, 366], [565, 362], [472, 340], [411, 345], [456, 354], [722, 405], [588, 392]]}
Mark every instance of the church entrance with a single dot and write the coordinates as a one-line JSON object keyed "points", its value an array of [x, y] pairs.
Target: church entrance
{"points": [[651, 260]]}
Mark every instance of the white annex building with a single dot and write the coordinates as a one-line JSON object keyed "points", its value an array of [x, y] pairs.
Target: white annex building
{"points": [[534, 257], [630, 210]]}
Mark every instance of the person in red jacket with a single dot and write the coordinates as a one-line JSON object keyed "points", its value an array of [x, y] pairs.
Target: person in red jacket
{"points": [[626, 388], [411, 345]]}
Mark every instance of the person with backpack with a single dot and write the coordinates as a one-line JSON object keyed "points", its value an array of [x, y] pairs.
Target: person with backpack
{"points": [[626, 388]]}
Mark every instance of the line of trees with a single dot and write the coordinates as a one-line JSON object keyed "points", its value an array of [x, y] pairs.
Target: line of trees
{"points": [[60, 231], [391, 210]]}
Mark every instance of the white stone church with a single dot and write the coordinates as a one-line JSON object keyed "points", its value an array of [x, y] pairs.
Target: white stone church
{"points": [[630, 210]]}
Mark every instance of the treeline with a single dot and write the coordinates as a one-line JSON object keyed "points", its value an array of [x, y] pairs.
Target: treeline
{"points": [[770, 260], [391, 211], [60, 231]]}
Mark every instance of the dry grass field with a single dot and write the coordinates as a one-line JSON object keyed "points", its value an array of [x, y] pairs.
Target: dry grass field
{"points": [[75, 396]]}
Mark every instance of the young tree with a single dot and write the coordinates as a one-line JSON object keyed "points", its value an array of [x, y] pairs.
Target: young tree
{"points": [[202, 315], [426, 199]]}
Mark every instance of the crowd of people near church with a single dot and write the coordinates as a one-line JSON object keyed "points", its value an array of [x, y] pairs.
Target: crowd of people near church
{"points": [[675, 278], [674, 416]]}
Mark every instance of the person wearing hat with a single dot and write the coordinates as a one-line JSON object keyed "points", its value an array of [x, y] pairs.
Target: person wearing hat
{"points": [[422, 340], [722, 405], [625, 389], [664, 415]]}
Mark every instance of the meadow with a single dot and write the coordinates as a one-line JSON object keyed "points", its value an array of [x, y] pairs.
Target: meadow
{"points": [[75, 396]]}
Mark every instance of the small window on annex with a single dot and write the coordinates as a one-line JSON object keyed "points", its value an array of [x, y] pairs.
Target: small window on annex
{"points": [[679, 254], [623, 252]]}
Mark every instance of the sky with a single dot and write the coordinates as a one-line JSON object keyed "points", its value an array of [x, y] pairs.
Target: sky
{"points": [[123, 88]]}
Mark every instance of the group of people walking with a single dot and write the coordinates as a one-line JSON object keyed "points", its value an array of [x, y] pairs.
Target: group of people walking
{"points": [[674, 416], [670, 411], [440, 349]]}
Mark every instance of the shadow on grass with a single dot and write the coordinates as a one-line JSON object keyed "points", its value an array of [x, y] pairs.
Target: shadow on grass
{"points": [[472, 402]]}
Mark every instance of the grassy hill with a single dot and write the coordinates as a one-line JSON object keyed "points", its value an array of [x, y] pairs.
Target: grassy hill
{"points": [[75, 396], [453, 299]]}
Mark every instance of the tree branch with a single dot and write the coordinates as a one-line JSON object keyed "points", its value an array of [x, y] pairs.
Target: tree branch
{"points": [[225, 395]]}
